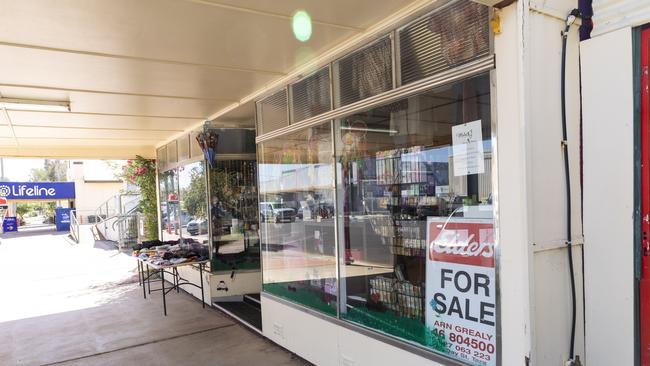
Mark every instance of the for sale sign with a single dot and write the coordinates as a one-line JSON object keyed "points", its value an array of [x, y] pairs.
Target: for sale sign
{"points": [[460, 287]]}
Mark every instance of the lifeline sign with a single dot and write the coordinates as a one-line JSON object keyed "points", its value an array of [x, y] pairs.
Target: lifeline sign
{"points": [[460, 287], [37, 190]]}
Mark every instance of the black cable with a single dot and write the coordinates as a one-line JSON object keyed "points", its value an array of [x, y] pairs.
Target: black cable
{"points": [[570, 19]]}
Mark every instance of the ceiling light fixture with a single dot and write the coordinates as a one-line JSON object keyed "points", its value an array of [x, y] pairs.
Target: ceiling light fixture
{"points": [[34, 105]]}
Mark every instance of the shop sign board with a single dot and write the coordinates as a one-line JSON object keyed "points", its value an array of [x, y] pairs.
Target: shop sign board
{"points": [[460, 287], [37, 190]]}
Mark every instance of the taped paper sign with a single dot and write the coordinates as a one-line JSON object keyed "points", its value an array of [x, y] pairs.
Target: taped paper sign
{"points": [[467, 149]]}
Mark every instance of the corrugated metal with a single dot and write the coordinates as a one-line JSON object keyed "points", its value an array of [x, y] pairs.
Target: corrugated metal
{"points": [[364, 73], [272, 112], [610, 15], [449, 37], [311, 95]]}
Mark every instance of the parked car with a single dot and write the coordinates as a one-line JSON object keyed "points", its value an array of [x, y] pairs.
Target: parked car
{"points": [[276, 212], [197, 227]]}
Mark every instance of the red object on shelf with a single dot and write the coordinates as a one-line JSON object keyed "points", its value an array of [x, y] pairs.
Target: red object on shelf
{"points": [[644, 281], [352, 255]]}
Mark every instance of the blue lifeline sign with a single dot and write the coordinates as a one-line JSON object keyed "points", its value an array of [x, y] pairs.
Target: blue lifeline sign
{"points": [[37, 190]]}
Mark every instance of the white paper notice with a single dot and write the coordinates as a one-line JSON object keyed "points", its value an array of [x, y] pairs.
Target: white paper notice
{"points": [[467, 142]]}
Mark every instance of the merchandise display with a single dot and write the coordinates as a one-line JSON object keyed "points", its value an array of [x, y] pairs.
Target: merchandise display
{"points": [[170, 253]]}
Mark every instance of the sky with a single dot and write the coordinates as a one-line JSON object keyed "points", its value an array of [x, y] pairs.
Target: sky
{"points": [[18, 169]]}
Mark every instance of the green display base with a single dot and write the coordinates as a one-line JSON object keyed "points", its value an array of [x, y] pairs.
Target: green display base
{"points": [[220, 266], [386, 322], [305, 297], [402, 327]]}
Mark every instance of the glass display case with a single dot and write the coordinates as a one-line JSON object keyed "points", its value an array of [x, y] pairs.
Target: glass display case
{"points": [[234, 215], [415, 201], [395, 234], [297, 225], [169, 206], [193, 202]]}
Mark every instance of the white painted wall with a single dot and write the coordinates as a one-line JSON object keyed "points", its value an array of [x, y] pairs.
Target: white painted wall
{"points": [[608, 106], [324, 343], [90, 194], [551, 288], [534, 269]]}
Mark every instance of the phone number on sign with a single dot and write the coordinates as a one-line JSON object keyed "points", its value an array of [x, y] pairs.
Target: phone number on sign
{"points": [[479, 350]]}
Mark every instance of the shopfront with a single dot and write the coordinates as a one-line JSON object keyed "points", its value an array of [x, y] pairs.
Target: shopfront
{"points": [[208, 199], [376, 188], [373, 211]]}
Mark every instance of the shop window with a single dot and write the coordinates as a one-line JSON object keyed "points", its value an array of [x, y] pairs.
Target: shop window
{"points": [[183, 144], [311, 96], [272, 112], [449, 37], [234, 215], [195, 148], [364, 74], [172, 153], [169, 205], [193, 203], [297, 218], [161, 158], [416, 220]]}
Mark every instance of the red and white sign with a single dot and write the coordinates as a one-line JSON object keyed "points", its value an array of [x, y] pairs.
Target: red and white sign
{"points": [[3, 201], [460, 287]]}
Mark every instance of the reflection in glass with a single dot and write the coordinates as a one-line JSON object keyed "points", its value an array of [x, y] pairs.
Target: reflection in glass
{"points": [[233, 215], [297, 218], [403, 176], [169, 205], [193, 203]]}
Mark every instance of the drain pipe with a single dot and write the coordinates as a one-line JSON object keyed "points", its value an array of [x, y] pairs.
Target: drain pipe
{"points": [[570, 19]]}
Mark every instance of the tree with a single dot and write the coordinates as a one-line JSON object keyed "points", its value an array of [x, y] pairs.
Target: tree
{"points": [[194, 198], [52, 171]]}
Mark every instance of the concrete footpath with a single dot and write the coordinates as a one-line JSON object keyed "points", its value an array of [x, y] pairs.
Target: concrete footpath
{"points": [[65, 304]]}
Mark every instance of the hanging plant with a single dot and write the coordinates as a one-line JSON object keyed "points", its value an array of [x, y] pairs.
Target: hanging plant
{"points": [[142, 173]]}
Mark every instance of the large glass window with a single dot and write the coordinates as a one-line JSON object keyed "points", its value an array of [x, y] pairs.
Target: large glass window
{"points": [[234, 215], [415, 235], [193, 202], [297, 218], [169, 205]]}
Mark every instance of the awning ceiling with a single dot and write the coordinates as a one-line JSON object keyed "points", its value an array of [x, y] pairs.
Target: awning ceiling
{"points": [[137, 73]]}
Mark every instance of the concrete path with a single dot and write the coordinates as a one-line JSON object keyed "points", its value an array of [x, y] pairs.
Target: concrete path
{"points": [[65, 304]]}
